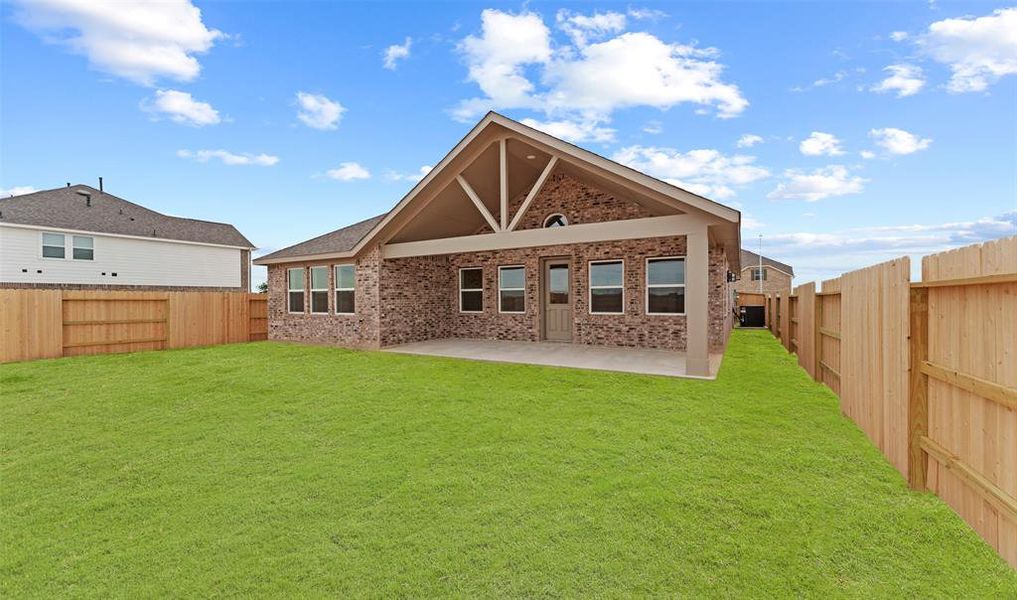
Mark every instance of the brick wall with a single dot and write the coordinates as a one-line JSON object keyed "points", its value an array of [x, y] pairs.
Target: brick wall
{"points": [[578, 201], [359, 330], [775, 281], [416, 296]]}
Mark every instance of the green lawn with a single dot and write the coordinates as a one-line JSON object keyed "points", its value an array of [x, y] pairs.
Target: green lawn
{"points": [[276, 469]]}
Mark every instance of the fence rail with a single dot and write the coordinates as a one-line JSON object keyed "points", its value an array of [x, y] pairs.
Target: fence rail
{"points": [[52, 323], [928, 370]]}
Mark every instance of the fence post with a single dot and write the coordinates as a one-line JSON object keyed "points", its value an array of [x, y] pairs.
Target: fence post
{"points": [[817, 338], [918, 388]]}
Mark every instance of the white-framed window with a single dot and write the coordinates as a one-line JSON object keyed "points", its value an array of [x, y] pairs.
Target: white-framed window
{"points": [[83, 247], [512, 289], [665, 285], [319, 290], [758, 273], [53, 245], [607, 287], [295, 290], [555, 220], [345, 289], [471, 290]]}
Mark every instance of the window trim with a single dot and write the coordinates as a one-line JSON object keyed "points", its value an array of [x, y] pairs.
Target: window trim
{"points": [[590, 287], [480, 289], [290, 290], [500, 289], [564, 220], [312, 289], [760, 270], [647, 286], [336, 289], [42, 243], [74, 246]]}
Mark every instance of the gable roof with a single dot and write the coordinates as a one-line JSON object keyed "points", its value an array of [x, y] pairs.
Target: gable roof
{"points": [[332, 245], [340, 240], [68, 208], [751, 259]]}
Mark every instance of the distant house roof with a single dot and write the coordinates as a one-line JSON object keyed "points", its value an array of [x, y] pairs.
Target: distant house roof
{"points": [[343, 239], [85, 208], [751, 259]]}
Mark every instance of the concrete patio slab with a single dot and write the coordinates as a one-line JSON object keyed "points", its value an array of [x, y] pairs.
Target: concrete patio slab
{"points": [[576, 356]]}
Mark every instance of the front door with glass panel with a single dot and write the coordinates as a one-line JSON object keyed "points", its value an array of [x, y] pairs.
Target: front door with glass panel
{"points": [[557, 301]]}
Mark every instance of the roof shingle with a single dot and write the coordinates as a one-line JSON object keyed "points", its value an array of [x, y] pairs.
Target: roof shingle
{"points": [[68, 208], [751, 259], [340, 240]]}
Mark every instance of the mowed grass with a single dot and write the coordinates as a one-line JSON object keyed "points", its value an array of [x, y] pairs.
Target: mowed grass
{"points": [[286, 470]]}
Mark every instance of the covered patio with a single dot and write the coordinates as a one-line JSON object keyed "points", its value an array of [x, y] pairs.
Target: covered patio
{"points": [[644, 361]]}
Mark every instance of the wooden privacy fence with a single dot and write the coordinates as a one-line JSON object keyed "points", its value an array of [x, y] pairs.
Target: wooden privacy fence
{"points": [[927, 370], [52, 323]]}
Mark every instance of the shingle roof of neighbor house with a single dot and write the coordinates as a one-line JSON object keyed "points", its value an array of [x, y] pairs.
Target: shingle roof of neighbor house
{"points": [[751, 259], [340, 240], [85, 208]]}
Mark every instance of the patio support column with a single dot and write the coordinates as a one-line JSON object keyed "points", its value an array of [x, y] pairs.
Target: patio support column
{"points": [[697, 310]]}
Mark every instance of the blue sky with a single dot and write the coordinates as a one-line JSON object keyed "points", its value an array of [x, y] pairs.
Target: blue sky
{"points": [[846, 133]]}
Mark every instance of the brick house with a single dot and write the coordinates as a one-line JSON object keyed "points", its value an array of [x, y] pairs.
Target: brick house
{"points": [[771, 277], [517, 235]]}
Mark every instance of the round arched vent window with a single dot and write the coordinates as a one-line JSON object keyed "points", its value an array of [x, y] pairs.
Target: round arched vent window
{"points": [[556, 220]]}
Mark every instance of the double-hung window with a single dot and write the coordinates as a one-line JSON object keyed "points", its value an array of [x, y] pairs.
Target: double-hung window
{"points": [[607, 287], [345, 289], [665, 286], [53, 245], [471, 290], [319, 290], [83, 247], [295, 286], [758, 274], [512, 289]]}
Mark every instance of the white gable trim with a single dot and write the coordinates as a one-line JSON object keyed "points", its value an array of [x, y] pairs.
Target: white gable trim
{"points": [[765, 266], [561, 147]]}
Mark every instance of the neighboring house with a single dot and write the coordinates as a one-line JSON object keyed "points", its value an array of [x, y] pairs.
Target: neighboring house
{"points": [[773, 276], [78, 237], [517, 235]]}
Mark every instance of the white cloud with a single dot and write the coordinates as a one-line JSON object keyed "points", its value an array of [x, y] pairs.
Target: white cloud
{"points": [[898, 36], [822, 255], [497, 57], [348, 171], [579, 130], [646, 13], [396, 52], [867, 154], [653, 127], [513, 53], [825, 81], [582, 28], [898, 141], [826, 182], [414, 177], [139, 41], [706, 172], [230, 158], [181, 107], [18, 190], [639, 69], [750, 223], [978, 51], [904, 79], [748, 140], [821, 144], [318, 112]]}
